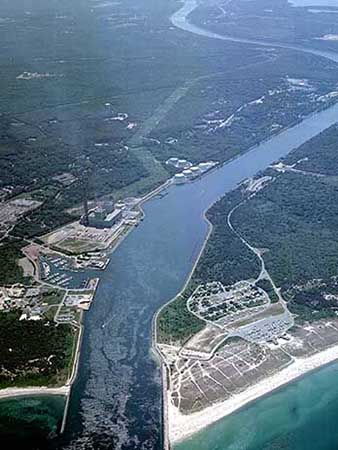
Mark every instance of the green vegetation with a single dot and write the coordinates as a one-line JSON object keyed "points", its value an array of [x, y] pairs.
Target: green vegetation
{"points": [[267, 287], [225, 258], [75, 115], [175, 323], [52, 296], [33, 353], [319, 155], [50, 313], [10, 253], [274, 21], [44, 219], [314, 300], [296, 219], [222, 116]]}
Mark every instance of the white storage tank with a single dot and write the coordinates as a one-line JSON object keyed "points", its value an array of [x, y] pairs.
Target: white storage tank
{"points": [[211, 164], [172, 161], [182, 163], [179, 178], [187, 173], [195, 171], [203, 166]]}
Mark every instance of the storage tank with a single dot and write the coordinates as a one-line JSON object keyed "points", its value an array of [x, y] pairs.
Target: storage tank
{"points": [[179, 178], [195, 171], [187, 173], [172, 161], [182, 163], [203, 166]]}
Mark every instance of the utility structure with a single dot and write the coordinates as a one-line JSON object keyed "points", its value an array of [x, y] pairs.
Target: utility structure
{"points": [[85, 217], [84, 177]]}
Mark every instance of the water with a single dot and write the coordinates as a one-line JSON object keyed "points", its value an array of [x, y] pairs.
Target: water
{"points": [[328, 3], [302, 416], [31, 420], [180, 20], [115, 400]]}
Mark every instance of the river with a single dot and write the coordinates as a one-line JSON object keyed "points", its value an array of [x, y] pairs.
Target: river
{"points": [[115, 401]]}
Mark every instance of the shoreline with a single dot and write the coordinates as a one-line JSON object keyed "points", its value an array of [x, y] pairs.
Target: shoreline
{"points": [[179, 427], [166, 405], [13, 392], [65, 390], [183, 426]]}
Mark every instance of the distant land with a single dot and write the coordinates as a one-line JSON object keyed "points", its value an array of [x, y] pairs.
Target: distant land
{"points": [[90, 133]]}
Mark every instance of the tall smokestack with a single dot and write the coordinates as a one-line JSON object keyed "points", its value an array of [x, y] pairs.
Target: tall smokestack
{"points": [[85, 219], [84, 175]]}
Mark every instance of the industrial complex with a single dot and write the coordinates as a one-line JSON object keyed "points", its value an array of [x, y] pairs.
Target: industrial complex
{"points": [[188, 171]]}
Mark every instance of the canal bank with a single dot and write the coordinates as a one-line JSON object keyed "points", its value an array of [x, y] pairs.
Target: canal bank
{"points": [[115, 400], [160, 254], [147, 270]]}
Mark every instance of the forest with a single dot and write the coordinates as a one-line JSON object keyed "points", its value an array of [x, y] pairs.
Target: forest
{"points": [[33, 353], [294, 220]]}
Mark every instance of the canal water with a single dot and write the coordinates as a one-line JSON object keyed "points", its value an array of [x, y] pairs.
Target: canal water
{"points": [[116, 398]]}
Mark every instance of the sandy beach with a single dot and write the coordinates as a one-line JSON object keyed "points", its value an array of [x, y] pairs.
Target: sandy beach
{"points": [[29, 391], [182, 426]]}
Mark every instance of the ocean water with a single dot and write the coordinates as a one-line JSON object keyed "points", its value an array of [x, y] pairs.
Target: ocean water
{"points": [[115, 401], [301, 416], [30, 422]]}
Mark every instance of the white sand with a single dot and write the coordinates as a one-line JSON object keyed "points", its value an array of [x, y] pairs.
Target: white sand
{"points": [[20, 392], [182, 426]]}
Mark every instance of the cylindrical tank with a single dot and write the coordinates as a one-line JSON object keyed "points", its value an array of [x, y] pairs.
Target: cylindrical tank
{"points": [[195, 170], [179, 178], [187, 173]]}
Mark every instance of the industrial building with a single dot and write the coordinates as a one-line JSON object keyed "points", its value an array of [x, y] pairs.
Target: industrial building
{"points": [[102, 217]]}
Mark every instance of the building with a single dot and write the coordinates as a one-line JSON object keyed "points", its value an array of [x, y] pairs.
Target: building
{"points": [[102, 217]]}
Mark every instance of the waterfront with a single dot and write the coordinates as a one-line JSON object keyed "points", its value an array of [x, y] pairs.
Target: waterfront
{"points": [[118, 379], [301, 416], [115, 401]]}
